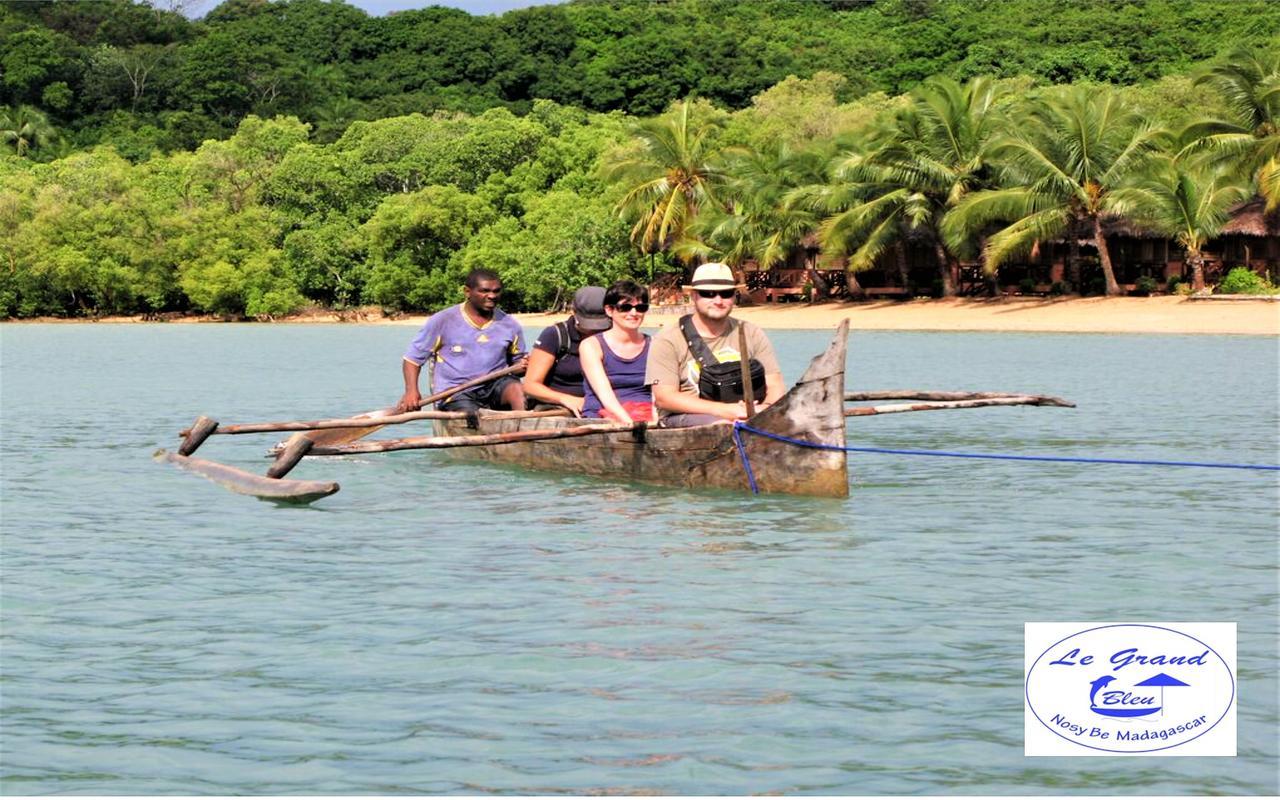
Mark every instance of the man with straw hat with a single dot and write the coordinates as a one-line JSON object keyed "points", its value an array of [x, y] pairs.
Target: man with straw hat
{"points": [[695, 367]]}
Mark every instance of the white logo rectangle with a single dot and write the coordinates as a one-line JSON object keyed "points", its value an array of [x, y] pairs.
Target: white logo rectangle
{"points": [[1130, 689]]}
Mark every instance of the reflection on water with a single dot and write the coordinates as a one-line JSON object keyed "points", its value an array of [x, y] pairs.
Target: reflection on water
{"points": [[458, 628]]}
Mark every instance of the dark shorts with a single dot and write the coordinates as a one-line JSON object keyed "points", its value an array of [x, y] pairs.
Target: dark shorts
{"points": [[486, 395]]}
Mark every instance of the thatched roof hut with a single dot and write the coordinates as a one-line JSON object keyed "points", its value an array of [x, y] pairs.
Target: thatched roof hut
{"points": [[1250, 219]]}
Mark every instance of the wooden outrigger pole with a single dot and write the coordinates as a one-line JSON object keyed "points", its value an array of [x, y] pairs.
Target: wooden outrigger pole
{"points": [[328, 433], [942, 401]]}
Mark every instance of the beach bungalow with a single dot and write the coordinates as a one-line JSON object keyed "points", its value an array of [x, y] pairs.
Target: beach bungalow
{"points": [[1251, 238], [910, 269]]}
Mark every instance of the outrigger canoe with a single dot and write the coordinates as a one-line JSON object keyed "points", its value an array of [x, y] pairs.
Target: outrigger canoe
{"points": [[796, 446], [705, 456]]}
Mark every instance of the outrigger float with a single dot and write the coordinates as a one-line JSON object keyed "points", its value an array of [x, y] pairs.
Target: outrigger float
{"points": [[792, 447]]}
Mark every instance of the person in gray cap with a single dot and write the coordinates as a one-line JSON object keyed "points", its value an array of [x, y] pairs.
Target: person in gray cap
{"points": [[554, 374]]}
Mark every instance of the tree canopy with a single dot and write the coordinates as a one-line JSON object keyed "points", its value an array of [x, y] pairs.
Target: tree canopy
{"points": [[85, 62], [279, 154]]}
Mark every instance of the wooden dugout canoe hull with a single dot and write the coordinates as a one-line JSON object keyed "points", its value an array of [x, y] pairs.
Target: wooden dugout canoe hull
{"points": [[813, 410]]}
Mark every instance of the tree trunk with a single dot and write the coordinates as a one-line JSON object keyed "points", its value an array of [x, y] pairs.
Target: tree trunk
{"points": [[944, 270], [1073, 259], [1196, 260], [851, 284], [900, 258], [1104, 255], [820, 284]]}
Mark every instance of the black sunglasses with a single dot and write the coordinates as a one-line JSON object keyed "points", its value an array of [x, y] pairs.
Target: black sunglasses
{"points": [[627, 307], [723, 294]]}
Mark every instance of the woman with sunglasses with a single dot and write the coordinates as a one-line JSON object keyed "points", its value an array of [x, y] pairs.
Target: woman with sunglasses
{"points": [[613, 362]]}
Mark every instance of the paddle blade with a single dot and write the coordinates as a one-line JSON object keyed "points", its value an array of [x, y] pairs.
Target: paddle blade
{"points": [[336, 436]]}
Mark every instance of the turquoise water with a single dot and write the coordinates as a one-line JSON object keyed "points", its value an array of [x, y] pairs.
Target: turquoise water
{"points": [[441, 628]]}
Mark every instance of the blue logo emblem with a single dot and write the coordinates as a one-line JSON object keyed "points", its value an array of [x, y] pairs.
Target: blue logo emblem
{"points": [[1128, 688]]}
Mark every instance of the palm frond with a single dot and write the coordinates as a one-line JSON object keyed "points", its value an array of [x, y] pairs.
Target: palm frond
{"points": [[1269, 184], [1018, 239], [840, 232], [875, 243], [980, 209]]}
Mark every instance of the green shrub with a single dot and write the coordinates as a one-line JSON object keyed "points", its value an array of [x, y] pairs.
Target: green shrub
{"points": [[1027, 286], [1183, 289], [1059, 288], [1171, 285], [277, 301], [1241, 280], [1145, 286]]}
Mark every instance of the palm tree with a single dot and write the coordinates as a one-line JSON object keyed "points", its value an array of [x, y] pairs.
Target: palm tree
{"points": [[670, 174], [755, 222], [1189, 201], [1060, 168], [332, 118], [931, 156], [25, 128], [1249, 83]]}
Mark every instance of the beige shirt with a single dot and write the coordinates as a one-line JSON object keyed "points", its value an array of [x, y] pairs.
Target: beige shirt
{"points": [[671, 363]]}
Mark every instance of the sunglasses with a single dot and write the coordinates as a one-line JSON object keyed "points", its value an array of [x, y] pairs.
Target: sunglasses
{"points": [[723, 294], [639, 308]]}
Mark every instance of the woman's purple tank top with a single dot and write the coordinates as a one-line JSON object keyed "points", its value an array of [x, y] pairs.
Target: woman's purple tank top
{"points": [[626, 376]]}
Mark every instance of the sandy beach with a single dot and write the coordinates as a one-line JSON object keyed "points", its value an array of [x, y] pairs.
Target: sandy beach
{"points": [[1252, 317], [1073, 315]]}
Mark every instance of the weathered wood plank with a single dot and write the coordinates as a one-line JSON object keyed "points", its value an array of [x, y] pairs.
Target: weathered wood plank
{"points": [[899, 408], [242, 482], [917, 394]]}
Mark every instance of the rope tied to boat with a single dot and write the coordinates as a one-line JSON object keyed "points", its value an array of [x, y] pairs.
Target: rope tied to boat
{"points": [[739, 426]]}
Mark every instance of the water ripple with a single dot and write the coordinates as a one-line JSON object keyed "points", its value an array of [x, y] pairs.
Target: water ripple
{"points": [[442, 628]]}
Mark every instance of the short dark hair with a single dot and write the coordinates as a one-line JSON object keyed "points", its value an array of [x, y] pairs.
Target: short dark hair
{"points": [[481, 274], [625, 288]]}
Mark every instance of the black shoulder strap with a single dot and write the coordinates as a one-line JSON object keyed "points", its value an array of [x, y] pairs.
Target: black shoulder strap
{"points": [[562, 335], [696, 346]]}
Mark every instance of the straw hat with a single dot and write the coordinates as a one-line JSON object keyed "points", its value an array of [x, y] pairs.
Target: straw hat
{"points": [[713, 276]]}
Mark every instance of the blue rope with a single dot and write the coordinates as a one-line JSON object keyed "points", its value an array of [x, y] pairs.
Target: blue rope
{"points": [[1063, 459], [742, 453]]}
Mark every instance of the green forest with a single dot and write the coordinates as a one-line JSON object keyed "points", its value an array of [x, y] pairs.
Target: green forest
{"points": [[272, 156]]}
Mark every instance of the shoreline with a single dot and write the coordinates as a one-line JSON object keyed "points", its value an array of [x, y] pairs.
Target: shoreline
{"points": [[1159, 315]]}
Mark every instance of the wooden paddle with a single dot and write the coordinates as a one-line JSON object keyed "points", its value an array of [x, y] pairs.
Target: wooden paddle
{"points": [[336, 431], [748, 393], [361, 422], [440, 442], [342, 436]]}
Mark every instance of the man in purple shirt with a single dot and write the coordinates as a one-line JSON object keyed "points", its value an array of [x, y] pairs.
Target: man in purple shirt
{"points": [[464, 342]]}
